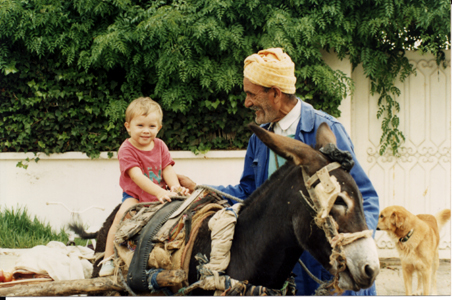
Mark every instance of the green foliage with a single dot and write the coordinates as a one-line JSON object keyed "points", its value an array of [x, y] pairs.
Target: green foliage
{"points": [[19, 230], [68, 69]]}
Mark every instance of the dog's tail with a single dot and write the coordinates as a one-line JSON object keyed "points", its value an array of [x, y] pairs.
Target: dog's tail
{"points": [[80, 231], [442, 217]]}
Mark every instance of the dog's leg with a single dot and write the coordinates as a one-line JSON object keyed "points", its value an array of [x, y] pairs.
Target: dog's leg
{"points": [[426, 280], [419, 284], [434, 273], [407, 271]]}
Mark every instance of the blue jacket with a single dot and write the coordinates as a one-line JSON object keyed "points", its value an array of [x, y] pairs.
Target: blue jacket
{"points": [[255, 173]]}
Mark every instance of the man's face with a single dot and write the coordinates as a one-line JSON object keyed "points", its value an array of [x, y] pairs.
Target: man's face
{"points": [[260, 101]]}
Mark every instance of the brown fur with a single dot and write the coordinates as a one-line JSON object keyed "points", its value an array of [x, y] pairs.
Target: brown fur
{"points": [[420, 252]]}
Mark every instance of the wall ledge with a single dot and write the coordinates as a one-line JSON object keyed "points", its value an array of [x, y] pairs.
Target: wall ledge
{"points": [[214, 154]]}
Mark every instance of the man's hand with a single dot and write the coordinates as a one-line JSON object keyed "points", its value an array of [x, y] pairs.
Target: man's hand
{"points": [[180, 190], [186, 182]]}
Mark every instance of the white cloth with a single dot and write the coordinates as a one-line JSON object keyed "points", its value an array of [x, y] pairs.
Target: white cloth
{"points": [[59, 261]]}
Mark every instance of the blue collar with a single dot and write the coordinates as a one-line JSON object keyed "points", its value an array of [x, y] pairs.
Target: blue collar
{"points": [[307, 117]]}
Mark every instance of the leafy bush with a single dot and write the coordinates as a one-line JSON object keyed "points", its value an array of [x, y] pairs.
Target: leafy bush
{"points": [[71, 67]]}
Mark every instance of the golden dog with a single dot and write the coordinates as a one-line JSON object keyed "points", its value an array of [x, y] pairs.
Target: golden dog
{"points": [[417, 239]]}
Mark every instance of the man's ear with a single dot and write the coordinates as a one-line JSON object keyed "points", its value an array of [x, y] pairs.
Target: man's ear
{"points": [[276, 94]]}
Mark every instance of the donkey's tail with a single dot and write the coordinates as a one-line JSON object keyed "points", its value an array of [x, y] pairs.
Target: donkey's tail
{"points": [[442, 217], [80, 231]]}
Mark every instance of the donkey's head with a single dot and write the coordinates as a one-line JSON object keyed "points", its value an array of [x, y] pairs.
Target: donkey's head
{"points": [[330, 193]]}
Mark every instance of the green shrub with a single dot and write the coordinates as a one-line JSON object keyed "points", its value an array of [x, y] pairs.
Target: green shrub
{"points": [[69, 68]]}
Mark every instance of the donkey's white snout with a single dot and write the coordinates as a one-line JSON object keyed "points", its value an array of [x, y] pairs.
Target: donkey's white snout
{"points": [[362, 261]]}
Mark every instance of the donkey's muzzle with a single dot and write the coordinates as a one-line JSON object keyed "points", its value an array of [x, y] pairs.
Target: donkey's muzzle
{"points": [[370, 273], [362, 262]]}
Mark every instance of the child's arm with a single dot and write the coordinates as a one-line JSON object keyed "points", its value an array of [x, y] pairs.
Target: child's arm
{"points": [[148, 186], [170, 177]]}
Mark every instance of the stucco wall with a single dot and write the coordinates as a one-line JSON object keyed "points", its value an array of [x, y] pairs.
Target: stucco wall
{"points": [[78, 182]]}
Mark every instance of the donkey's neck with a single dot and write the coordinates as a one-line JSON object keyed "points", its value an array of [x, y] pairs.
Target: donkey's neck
{"points": [[265, 248]]}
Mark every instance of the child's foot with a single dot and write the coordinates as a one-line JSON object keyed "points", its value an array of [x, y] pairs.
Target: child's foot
{"points": [[107, 269]]}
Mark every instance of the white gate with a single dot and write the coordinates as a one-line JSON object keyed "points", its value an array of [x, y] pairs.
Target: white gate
{"points": [[420, 179]]}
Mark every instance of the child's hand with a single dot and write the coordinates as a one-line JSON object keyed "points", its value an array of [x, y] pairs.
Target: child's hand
{"points": [[165, 195], [180, 190]]}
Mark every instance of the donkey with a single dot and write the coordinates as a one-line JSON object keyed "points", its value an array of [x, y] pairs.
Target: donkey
{"points": [[276, 224]]}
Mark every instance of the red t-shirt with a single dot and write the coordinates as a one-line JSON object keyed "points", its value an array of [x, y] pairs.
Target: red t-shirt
{"points": [[151, 164]]}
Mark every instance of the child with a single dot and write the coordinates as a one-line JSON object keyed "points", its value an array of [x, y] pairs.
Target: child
{"points": [[145, 164]]}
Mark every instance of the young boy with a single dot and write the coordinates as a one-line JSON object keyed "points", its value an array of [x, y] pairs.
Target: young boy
{"points": [[145, 164]]}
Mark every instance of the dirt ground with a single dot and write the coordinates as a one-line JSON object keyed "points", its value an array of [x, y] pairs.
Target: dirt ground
{"points": [[390, 279]]}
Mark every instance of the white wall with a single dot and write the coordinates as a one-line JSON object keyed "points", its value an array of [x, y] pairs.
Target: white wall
{"points": [[420, 178], [79, 182]]}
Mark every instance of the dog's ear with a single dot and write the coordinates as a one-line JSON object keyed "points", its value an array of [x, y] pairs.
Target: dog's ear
{"points": [[397, 220]]}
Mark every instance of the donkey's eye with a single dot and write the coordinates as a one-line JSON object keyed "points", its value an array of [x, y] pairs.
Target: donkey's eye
{"points": [[340, 201]]}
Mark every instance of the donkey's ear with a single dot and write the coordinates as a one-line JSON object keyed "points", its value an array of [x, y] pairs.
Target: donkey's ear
{"points": [[324, 135], [291, 149]]}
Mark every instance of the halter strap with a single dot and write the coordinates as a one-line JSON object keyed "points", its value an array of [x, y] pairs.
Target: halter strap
{"points": [[324, 176], [321, 200]]}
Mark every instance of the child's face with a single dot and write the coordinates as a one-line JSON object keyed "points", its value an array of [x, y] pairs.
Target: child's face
{"points": [[143, 130]]}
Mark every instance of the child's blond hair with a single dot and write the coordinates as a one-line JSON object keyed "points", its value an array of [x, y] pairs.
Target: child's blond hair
{"points": [[143, 106]]}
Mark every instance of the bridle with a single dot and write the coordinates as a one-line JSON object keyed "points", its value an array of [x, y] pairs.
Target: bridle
{"points": [[321, 199]]}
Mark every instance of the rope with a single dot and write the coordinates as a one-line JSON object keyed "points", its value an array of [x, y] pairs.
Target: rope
{"points": [[309, 273], [124, 283], [219, 192], [324, 288]]}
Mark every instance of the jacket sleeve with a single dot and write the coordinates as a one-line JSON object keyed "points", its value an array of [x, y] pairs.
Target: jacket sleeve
{"points": [[247, 183], [370, 198]]}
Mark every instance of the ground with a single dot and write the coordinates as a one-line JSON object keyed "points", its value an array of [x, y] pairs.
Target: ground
{"points": [[389, 281]]}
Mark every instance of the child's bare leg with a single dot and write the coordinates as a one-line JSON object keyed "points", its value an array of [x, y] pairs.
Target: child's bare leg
{"points": [[129, 202], [109, 247]]}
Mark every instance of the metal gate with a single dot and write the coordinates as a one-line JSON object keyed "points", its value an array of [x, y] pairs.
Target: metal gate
{"points": [[420, 179]]}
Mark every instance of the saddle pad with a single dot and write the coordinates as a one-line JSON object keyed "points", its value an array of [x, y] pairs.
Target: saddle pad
{"points": [[163, 233], [136, 276]]}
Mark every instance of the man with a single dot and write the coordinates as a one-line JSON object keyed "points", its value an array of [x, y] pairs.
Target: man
{"points": [[269, 84]]}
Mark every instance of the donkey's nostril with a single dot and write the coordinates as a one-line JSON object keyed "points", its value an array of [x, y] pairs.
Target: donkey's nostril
{"points": [[370, 272]]}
